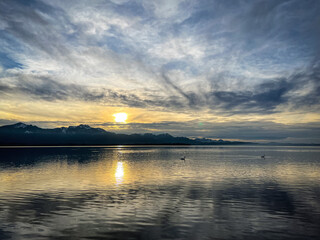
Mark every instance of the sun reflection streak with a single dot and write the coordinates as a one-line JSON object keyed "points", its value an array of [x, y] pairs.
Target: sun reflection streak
{"points": [[119, 172]]}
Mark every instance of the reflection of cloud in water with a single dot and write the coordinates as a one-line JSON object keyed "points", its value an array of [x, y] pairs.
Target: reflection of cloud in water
{"points": [[73, 193], [183, 209]]}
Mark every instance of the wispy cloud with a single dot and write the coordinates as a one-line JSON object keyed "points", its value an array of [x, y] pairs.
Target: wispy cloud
{"points": [[218, 57], [298, 91]]}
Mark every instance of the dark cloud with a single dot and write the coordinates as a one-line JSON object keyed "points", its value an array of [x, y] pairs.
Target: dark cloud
{"points": [[50, 90], [250, 131], [267, 96], [193, 100]]}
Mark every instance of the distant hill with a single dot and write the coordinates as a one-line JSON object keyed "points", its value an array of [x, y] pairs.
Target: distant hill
{"points": [[21, 134]]}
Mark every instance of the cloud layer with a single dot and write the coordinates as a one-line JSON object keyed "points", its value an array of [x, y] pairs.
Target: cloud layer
{"points": [[225, 58]]}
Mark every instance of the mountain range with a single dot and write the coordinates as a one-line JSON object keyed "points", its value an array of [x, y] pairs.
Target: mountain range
{"points": [[21, 134]]}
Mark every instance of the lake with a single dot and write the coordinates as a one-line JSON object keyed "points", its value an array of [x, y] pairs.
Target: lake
{"points": [[147, 192]]}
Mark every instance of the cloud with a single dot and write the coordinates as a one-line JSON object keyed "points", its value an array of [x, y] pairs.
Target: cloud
{"points": [[49, 89], [33, 26], [45, 88], [211, 57], [298, 91], [249, 131]]}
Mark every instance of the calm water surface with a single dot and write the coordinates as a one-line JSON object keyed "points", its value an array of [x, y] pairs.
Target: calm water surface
{"points": [[149, 193]]}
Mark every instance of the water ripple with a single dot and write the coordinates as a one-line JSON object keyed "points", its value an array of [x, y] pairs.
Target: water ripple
{"points": [[149, 193]]}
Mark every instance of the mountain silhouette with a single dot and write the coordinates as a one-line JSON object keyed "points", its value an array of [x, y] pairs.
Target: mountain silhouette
{"points": [[21, 134]]}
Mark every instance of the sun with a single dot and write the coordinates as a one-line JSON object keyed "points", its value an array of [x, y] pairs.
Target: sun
{"points": [[120, 117]]}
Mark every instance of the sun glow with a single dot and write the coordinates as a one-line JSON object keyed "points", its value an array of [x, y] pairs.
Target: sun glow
{"points": [[120, 117], [119, 172]]}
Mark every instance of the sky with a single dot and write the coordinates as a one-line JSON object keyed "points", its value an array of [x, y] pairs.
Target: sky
{"points": [[235, 69]]}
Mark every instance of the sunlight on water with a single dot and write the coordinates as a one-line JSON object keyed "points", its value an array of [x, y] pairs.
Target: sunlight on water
{"points": [[119, 172], [149, 193]]}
